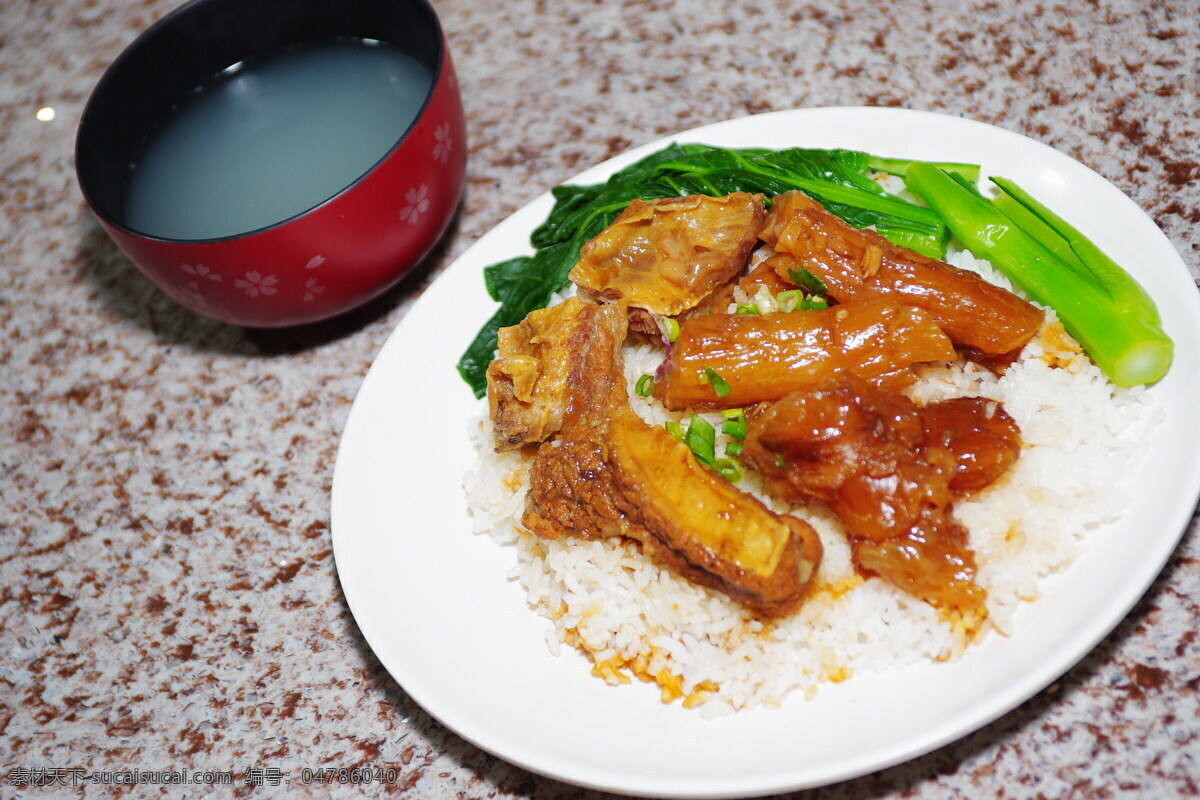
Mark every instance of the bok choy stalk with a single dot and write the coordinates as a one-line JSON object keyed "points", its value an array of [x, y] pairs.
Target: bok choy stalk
{"points": [[897, 167], [838, 179], [1120, 285], [1098, 302]]}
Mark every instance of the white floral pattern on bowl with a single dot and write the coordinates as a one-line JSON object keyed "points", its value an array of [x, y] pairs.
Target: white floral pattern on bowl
{"points": [[418, 204], [312, 289], [256, 283], [444, 143], [200, 271]]}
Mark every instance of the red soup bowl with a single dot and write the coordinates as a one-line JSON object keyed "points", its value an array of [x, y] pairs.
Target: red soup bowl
{"points": [[335, 255]]}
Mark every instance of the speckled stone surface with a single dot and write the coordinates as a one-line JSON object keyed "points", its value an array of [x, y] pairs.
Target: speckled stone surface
{"points": [[168, 597]]}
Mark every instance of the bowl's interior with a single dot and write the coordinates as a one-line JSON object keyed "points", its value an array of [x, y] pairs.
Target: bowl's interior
{"points": [[188, 47]]}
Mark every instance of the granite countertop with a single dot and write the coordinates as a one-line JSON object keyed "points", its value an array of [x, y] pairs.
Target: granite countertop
{"points": [[168, 597]]}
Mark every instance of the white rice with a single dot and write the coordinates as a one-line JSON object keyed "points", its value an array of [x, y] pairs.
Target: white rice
{"points": [[1081, 438]]}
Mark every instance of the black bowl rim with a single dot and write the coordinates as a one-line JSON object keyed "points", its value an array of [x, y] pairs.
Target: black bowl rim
{"points": [[155, 29]]}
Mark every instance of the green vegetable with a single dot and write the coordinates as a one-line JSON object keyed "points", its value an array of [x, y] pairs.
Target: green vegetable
{"points": [[675, 429], [898, 167], [1029, 222], [728, 469], [670, 328], [780, 461], [813, 303], [789, 300], [718, 384], [1100, 304], [644, 386], [733, 449], [838, 179], [735, 425], [747, 308], [806, 280], [701, 437], [1121, 286]]}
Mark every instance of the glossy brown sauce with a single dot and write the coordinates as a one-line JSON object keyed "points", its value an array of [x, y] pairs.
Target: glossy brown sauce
{"points": [[890, 471]]}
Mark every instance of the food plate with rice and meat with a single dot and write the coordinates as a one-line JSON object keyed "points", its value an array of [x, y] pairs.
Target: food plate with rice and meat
{"points": [[796, 446]]}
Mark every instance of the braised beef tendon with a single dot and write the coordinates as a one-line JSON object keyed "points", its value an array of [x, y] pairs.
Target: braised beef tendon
{"points": [[667, 255], [763, 357], [890, 471], [606, 473], [983, 439], [856, 263]]}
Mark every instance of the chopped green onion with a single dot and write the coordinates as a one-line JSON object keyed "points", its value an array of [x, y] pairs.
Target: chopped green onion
{"points": [[733, 449], [734, 424], [780, 461], [701, 437], [806, 280], [669, 327], [675, 429], [716, 382], [813, 303], [644, 386], [728, 469], [789, 300], [1103, 307], [747, 308]]}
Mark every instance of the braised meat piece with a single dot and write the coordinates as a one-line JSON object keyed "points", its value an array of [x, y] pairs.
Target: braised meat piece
{"points": [[705, 529], [721, 298], [811, 443], [932, 562], [857, 263], [571, 487], [979, 433], [667, 255], [762, 357], [890, 472], [527, 381], [609, 473]]}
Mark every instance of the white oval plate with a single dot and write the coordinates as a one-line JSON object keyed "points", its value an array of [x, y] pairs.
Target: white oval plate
{"points": [[433, 602]]}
